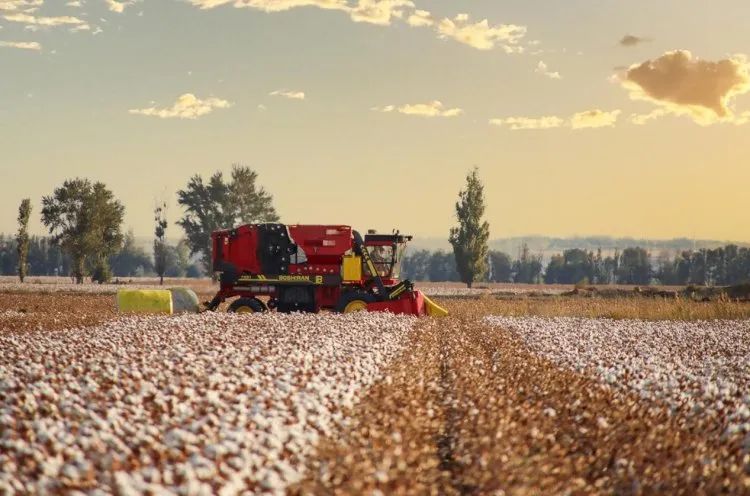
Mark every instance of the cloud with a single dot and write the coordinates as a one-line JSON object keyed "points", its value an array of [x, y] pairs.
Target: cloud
{"points": [[642, 119], [273, 5], [119, 6], [480, 35], [542, 69], [20, 5], [594, 119], [187, 106], [293, 95], [685, 85], [379, 11], [434, 108], [420, 18], [588, 119], [25, 45], [630, 41], [34, 21], [525, 123]]}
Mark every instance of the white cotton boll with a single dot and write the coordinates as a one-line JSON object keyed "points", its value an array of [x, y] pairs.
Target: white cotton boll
{"points": [[693, 365], [236, 396]]}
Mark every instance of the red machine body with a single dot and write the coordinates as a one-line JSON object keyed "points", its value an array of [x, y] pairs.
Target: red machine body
{"points": [[312, 267]]}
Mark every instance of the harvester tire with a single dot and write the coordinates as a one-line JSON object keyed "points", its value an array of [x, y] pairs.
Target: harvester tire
{"points": [[247, 305], [354, 301]]}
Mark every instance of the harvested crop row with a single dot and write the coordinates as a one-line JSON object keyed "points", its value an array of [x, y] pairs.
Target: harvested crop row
{"points": [[698, 367], [24, 312], [542, 428], [200, 404], [484, 415], [390, 444]]}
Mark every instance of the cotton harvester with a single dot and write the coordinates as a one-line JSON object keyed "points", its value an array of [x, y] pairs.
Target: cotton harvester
{"points": [[307, 268]]}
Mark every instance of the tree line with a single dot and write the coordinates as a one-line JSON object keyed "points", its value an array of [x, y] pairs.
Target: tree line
{"points": [[86, 239], [723, 266], [474, 261], [84, 221]]}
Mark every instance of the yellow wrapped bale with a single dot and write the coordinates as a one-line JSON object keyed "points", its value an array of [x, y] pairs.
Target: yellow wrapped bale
{"points": [[144, 301]]}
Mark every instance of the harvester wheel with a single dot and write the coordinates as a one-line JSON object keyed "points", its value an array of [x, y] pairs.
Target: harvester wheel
{"points": [[354, 301], [247, 305]]}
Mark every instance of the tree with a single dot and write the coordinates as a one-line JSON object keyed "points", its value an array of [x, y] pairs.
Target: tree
{"points": [[131, 260], [22, 238], [86, 220], [635, 266], [470, 237], [442, 267], [572, 267], [415, 265], [160, 243], [222, 205], [502, 267], [528, 268]]}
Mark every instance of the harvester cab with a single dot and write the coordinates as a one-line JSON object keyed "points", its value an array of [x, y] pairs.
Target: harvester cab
{"points": [[313, 267]]}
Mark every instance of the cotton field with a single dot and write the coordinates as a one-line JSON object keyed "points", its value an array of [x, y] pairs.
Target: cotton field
{"points": [[480, 402], [701, 366], [199, 404]]}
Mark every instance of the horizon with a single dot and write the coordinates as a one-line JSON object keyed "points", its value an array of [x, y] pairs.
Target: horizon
{"points": [[370, 114]]}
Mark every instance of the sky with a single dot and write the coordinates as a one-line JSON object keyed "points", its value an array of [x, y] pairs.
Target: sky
{"points": [[584, 117]]}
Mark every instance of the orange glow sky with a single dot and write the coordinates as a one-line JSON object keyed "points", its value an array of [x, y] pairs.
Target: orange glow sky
{"points": [[585, 117]]}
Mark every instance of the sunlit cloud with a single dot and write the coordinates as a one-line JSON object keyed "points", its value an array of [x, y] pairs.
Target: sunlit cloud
{"points": [[379, 12], [119, 6], [24, 45], [187, 106], [434, 108], [541, 68], [20, 5], [292, 95], [40, 21], [272, 5], [681, 84], [481, 35], [643, 119], [420, 18], [589, 119], [529, 123]]}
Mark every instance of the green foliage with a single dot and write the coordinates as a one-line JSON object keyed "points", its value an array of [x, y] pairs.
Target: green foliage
{"points": [[85, 219], [469, 239], [131, 260], [635, 267], [414, 265], [101, 272], [502, 267], [160, 243], [221, 205], [528, 268], [22, 238], [423, 265], [572, 267]]}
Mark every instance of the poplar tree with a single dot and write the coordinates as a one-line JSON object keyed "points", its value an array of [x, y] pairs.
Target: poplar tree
{"points": [[160, 242], [22, 238], [470, 238]]}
